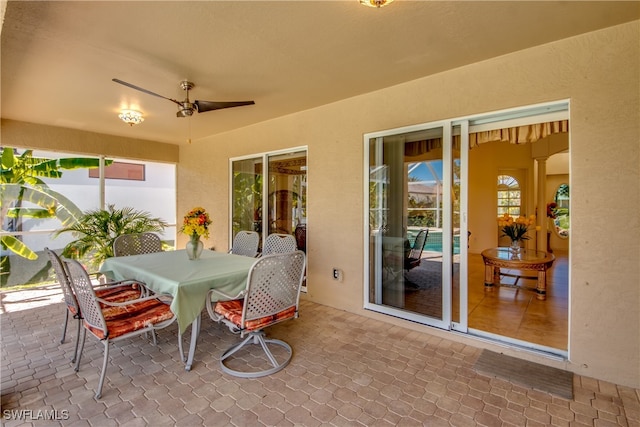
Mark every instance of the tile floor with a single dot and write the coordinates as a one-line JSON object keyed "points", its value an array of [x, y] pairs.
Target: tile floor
{"points": [[347, 370], [515, 312], [508, 311]]}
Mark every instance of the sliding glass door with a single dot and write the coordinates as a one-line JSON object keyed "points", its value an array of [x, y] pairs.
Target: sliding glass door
{"points": [[271, 199], [415, 189]]}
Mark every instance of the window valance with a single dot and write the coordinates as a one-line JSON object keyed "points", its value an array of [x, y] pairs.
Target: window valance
{"points": [[513, 135], [519, 134]]}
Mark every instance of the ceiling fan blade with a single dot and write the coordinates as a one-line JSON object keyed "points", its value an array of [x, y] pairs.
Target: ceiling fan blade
{"points": [[148, 92], [203, 106]]}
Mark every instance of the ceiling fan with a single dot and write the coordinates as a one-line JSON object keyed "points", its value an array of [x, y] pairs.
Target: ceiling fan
{"points": [[186, 107]]}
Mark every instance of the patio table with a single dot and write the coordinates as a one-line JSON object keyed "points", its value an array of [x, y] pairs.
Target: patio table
{"points": [[186, 281]]}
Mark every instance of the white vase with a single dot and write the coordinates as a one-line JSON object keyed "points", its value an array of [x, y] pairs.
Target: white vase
{"points": [[194, 247]]}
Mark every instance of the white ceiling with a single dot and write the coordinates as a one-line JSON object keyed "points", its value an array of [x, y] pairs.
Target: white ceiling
{"points": [[58, 58]]}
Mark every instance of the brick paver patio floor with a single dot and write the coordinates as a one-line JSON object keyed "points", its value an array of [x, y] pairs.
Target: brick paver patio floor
{"points": [[346, 370]]}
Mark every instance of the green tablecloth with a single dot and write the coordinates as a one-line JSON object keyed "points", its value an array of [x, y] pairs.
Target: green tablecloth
{"points": [[188, 282]]}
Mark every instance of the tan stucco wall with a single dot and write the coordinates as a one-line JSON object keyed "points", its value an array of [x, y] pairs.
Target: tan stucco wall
{"points": [[51, 138], [598, 72]]}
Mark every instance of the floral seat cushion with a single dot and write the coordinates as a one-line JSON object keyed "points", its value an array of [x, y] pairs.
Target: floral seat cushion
{"points": [[120, 293], [132, 317], [232, 311]]}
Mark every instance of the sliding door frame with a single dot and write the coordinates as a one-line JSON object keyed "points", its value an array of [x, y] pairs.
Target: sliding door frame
{"points": [[445, 322]]}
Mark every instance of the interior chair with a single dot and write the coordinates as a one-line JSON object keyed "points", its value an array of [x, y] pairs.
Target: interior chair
{"points": [[414, 254], [137, 243], [272, 296], [300, 234], [113, 321], [245, 243], [111, 291], [277, 243]]}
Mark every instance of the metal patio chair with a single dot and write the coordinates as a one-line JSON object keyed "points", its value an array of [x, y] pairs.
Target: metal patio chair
{"points": [[272, 296], [137, 243], [113, 321], [111, 291], [277, 243], [245, 243]]}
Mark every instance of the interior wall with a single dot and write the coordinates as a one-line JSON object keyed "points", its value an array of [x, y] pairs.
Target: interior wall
{"points": [[485, 162], [597, 72]]}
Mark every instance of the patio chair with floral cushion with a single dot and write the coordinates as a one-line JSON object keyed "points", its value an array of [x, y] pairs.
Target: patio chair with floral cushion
{"points": [[272, 295], [245, 243], [123, 290], [113, 321], [137, 243]]}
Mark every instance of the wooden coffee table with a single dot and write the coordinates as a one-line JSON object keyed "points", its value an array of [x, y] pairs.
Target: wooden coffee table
{"points": [[525, 259]]}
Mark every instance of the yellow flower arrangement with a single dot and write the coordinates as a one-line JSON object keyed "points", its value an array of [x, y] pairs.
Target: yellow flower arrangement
{"points": [[196, 223], [516, 228]]}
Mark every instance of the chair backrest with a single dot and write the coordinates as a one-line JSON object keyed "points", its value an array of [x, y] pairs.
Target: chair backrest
{"points": [[277, 243], [273, 286], [86, 296], [301, 237], [135, 244], [246, 243], [63, 278], [418, 245]]}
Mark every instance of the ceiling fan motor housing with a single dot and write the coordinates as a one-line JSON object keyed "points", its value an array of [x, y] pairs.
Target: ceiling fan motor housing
{"points": [[186, 110], [186, 107]]}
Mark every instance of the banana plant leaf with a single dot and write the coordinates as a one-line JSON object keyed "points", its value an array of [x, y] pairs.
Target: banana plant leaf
{"points": [[65, 210], [38, 213], [51, 168], [16, 246]]}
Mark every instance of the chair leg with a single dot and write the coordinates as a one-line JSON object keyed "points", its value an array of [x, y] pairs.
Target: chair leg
{"points": [[235, 348], [262, 343], [104, 369], [75, 351], [79, 353], [64, 328], [257, 338]]}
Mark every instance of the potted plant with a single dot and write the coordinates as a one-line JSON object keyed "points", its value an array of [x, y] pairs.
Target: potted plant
{"points": [[97, 229]]}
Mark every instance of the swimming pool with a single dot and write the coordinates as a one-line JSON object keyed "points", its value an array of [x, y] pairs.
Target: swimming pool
{"points": [[434, 240]]}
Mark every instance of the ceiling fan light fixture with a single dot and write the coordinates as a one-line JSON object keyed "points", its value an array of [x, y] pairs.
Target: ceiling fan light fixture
{"points": [[131, 117], [375, 3]]}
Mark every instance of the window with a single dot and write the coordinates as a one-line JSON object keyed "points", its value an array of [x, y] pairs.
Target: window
{"points": [[121, 170], [509, 196]]}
